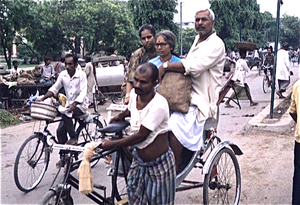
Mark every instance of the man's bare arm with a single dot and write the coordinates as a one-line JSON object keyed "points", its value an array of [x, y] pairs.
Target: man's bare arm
{"points": [[138, 137], [47, 95]]}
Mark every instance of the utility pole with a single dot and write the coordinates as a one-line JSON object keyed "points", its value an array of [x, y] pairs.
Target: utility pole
{"points": [[181, 28], [279, 2]]}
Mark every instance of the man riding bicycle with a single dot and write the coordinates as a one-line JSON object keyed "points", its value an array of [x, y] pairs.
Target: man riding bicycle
{"points": [[268, 63], [75, 84]]}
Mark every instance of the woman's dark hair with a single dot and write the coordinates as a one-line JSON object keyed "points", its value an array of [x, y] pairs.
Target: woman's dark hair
{"points": [[147, 27], [170, 39]]}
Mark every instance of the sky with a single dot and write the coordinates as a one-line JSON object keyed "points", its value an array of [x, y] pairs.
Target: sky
{"points": [[189, 7]]}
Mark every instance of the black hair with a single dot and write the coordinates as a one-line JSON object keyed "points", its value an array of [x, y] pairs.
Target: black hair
{"points": [[62, 59], [46, 58], [75, 58], [147, 27], [154, 71], [15, 62], [88, 58]]}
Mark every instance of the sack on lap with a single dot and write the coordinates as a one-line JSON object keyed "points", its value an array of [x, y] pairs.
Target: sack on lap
{"points": [[176, 88]]}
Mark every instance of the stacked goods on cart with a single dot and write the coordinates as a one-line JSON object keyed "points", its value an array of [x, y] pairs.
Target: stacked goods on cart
{"points": [[249, 46]]}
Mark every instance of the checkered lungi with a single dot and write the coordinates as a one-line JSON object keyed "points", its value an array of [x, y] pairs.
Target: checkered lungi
{"points": [[152, 182]]}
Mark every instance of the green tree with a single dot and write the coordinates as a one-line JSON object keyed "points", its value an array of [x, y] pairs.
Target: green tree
{"points": [[290, 30], [156, 12], [188, 37], [238, 20], [14, 16]]}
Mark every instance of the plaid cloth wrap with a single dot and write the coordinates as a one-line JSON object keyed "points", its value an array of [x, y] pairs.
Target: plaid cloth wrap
{"points": [[152, 182]]}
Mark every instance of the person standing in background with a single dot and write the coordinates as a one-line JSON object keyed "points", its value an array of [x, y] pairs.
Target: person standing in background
{"points": [[60, 66], [142, 55], [90, 78], [283, 69]]}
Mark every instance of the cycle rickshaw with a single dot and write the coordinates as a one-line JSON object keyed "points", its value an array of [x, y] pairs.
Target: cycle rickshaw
{"points": [[109, 72], [216, 159]]}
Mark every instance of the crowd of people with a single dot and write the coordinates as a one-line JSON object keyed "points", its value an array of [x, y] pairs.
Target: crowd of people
{"points": [[158, 134]]}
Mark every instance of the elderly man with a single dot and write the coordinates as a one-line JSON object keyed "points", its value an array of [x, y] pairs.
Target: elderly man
{"points": [[75, 85], [204, 63], [152, 175]]}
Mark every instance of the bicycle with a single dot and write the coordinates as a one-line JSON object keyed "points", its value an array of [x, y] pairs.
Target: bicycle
{"points": [[222, 178], [267, 80], [33, 158], [60, 189]]}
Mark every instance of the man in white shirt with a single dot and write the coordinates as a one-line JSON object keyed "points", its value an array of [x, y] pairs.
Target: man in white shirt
{"points": [[75, 85], [204, 63], [152, 175], [283, 69]]}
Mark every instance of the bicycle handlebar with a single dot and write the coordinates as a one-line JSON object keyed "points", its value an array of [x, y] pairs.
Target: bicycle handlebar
{"points": [[54, 145]]}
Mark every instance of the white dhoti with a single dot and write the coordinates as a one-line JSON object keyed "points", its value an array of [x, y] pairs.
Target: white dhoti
{"points": [[187, 129]]}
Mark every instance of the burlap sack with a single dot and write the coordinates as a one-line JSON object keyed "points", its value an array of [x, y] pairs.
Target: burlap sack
{"points": [[176, 88], [26, 78]]}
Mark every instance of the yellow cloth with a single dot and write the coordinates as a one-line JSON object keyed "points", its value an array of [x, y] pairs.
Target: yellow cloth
{"points": [[62, 99], [295, 108], [84, 171]]}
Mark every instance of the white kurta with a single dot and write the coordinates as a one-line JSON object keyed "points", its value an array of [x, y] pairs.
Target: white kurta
{"points": [[204, 63], [90, 80], [241, 70], [283, 65]]}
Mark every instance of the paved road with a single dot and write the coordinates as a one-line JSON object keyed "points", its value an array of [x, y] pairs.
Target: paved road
{"points": [[230, 126]]}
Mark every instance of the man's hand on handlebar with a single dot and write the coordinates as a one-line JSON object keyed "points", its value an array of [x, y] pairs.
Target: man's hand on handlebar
{"points": [[107, 144], [72, 106]]}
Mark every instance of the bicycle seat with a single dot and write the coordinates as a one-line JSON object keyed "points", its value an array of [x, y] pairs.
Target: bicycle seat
{"points": [[114, 127]]}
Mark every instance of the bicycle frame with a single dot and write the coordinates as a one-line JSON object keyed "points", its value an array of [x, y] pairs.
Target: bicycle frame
{"points": [[72, 164]]}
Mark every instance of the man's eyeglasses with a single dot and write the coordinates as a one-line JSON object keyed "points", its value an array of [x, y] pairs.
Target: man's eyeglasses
{"points": [[161, 45]]}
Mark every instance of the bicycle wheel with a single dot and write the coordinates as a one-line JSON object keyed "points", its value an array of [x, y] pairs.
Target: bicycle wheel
{"points": [[89, 133], [119, 180], [95, 101], [51, 197], [222, 184], [31, 163], [266, 85]]}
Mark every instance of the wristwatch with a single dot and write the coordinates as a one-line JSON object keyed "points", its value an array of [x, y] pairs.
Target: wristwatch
{"points": [[165, 65]]}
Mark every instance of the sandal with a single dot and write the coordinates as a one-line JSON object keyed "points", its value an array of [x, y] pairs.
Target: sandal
{"points": [[253, 104]]}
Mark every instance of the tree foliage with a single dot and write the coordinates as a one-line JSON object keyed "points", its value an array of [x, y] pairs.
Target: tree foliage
{"points": [[290, 30], [240, 20], [49, 27], [156, 12], [14, 17]]}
